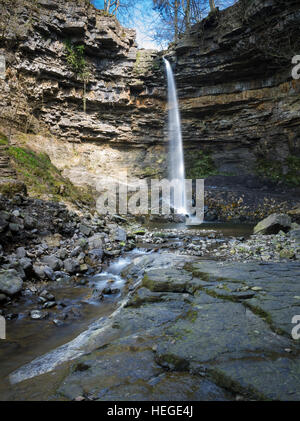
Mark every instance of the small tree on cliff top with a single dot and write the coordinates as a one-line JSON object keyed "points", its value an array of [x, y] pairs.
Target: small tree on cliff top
{"points": [[78, 64]]}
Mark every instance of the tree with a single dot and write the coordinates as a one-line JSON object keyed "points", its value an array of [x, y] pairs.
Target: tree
{"points": [[212, 5], [187, 14], [171, 12], [79, 66], [179, 15], [118, 8], [111, 6]]}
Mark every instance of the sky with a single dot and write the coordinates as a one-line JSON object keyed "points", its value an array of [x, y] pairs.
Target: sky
{"points": [[141, 20]]}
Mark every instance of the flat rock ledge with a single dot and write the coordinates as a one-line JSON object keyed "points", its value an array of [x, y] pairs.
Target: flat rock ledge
{"points": [[196, 330]]}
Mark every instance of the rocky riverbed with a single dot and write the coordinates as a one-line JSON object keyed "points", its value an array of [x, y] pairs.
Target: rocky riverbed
{"points": [[210, 243], [103, 308], [44, 243], [189, 329]]}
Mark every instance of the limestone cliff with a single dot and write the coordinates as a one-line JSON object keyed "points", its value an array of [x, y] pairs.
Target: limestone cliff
{"points": [[238, 99], [42, 95], [240, 106]]}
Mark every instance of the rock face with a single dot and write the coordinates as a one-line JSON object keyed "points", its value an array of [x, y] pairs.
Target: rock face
{"points": [[273, 224], [238, 99], [41, 92], [239, 103]]}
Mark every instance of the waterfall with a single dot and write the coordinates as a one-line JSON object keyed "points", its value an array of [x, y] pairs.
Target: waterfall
{"points": [[176, 160]]}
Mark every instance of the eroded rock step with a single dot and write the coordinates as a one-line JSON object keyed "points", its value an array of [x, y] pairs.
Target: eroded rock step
{"points": [[200, 330]]}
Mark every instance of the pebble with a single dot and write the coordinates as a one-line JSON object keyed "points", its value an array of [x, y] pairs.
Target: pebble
{"points": [[57, 322], [49, 304], [38, 315]]}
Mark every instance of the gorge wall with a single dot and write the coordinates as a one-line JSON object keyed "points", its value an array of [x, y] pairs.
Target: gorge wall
{"points": [[42, 97], [240, 106], [238, 99]]}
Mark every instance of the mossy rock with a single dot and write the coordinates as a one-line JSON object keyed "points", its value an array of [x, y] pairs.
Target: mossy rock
{"points": [[139, 232], [3, 139], [200, 164], [166, 280], [42, 178], [10, 187], [287, 171]]}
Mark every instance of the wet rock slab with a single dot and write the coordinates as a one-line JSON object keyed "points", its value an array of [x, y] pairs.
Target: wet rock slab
{"points": [[191, 329], [276, 287], [135, 376]]}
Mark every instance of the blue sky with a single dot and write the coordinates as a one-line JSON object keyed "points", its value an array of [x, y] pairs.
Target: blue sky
{"points": [[141, 18]]}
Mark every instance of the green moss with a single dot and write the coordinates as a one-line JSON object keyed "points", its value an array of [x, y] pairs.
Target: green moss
{"points": [[139, 232], [266, 317], [199, 165], [43, 178], [223, 380], [274, 170], [75, 57], [151, 172], [3, 139], [192, 316], [138, 61], [9, 187], [156, 64], [143, 62]]}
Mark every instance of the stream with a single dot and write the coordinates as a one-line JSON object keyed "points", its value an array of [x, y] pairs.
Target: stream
{"points": [[29, 339]]}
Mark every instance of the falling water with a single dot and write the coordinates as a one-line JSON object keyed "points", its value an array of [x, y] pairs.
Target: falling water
{"points": [[176, 161]]}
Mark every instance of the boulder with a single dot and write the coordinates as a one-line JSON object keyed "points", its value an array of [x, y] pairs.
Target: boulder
{"points": [[2, 298], [21, 252], [96, 241], [76, 251], [96, 255], [26, 264], [49, 273], [119, 218], [273, 224], [29, 222], [287, 254], [10, 282], [38, 315], [120, 234], [71, 265], [117, 233], [84, 267], [85, 230], [62, 253], [295, 211], [15, 228], [39, 271], [4, 215], [53, 262]]}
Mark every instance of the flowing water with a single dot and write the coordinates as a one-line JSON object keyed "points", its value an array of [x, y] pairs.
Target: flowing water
{"points": [[26, 353], [28, 339], [176, 158]]}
